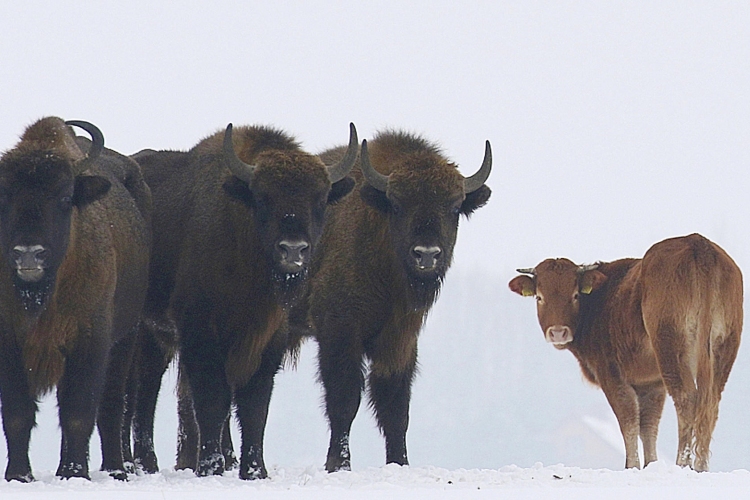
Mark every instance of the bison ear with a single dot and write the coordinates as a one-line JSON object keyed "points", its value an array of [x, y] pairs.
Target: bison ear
{"points": [[592, 280], [375, 198], [238, 189], [89, 188], [523, 285], [475, 199], [340, 189]]}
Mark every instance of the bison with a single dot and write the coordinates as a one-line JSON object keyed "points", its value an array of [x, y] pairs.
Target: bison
{"points": [[637, 326], [236, 221], [382, 259], [74, 241]]}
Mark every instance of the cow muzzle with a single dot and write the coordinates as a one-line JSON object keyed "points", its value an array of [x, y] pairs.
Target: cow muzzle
{"points": [[30, 261], [426, 257], [295, 255], [559, 335]]}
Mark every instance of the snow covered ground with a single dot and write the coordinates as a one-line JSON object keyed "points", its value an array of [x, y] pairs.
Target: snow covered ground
{"points": [[659, 480]]}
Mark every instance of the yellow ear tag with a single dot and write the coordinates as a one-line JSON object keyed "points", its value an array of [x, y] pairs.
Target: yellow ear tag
{"points": [[587, 289], [527, 292]]}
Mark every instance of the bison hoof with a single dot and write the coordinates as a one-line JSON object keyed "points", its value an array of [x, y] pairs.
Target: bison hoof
{"points": [[69, 470], [337, 465], [120, 475], [26, 477], [211, 466], [147, 464], [230, 460]]}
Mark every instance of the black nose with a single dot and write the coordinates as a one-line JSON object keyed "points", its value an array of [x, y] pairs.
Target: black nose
{"points": [[426, 257], [28, 257], [294, 252]]}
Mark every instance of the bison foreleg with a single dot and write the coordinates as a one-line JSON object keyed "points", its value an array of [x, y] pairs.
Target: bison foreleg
{"points": [[78, 396], [112, 407], [252, 410], [19, 414], [389, 397], [342, 374], [153, 360], [204, 367]]}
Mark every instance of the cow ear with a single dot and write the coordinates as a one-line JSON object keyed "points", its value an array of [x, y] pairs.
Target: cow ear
{"points": [[239, 190], [591, 280], [89, 188], [523, 285], [340, 189], [375, 198], [475, 199]]}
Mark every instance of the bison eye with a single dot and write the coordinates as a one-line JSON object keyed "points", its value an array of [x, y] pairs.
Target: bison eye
{"points": [[66, 202]]}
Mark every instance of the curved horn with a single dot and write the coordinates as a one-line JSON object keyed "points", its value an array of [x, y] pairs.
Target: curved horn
{"points": [[589, 267], [239, 168], [528, 270], [372, 176], [476, 181], [97, 144], [341, 169]]}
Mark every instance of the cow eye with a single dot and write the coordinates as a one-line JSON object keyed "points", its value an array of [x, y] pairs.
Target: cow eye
{"points": [[538, 298], [575, 296]]}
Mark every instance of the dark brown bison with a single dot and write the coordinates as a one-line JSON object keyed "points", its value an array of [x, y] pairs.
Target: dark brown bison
{"points": [[74, 241], [237, 219], [670, 319], [383, 255]]}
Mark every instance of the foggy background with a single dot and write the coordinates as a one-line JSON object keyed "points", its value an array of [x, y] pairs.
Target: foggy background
{"points": [[614, 125]]}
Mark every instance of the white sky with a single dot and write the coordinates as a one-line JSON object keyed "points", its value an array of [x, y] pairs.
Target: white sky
{"points": [[613, 124]]}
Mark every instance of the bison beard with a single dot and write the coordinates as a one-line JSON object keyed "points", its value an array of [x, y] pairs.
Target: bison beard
{"points": [[33, 296], [424, 290], [289, 288]]}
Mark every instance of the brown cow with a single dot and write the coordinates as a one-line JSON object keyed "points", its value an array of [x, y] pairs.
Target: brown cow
{"points": [[672, 319]]}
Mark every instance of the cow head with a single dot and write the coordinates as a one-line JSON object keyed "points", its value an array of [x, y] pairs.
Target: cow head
{"points": [[42, 182], [423, 197], [288, 191], [558, 286]]}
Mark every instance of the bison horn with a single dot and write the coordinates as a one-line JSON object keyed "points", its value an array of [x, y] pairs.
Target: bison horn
{"points": [[239, 168], [476, 181], [586, 268], [341, 169], [97, 144], [528, 270], [373, 177]]}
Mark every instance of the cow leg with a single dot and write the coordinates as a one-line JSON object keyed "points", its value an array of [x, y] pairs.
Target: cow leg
{"points": [[154, 360], [651, 405], [669, 343], [78, 395], [252, 402], [342, 374], [724, 354], [112, 406], [19, 415], [390, 395], [624, 402]]}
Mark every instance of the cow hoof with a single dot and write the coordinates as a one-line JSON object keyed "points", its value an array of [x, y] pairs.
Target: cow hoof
{"points": [[147, 464], [332, 466]]}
